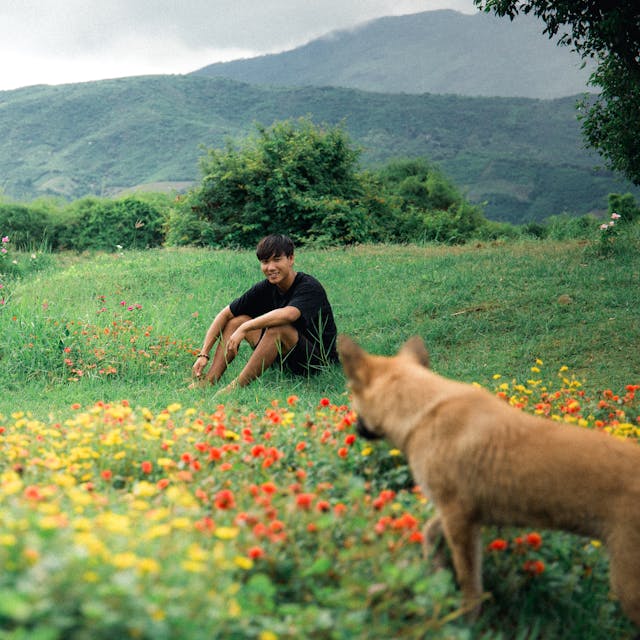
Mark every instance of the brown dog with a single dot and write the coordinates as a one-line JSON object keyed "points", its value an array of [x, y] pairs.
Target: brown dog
{"points": [[483, 462]]}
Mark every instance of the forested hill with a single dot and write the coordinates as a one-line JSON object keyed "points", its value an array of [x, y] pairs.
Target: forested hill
{"points": [[430, 52], [525, 158]]}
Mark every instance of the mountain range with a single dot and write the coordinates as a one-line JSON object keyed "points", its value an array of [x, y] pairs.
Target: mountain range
{"points": [[523, 158], [430, 52]]}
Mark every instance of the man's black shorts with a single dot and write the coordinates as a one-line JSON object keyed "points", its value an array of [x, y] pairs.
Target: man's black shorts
{"points": [[305, 358]]}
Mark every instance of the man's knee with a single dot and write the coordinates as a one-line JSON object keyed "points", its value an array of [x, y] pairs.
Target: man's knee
{"points": [[284, 336]]}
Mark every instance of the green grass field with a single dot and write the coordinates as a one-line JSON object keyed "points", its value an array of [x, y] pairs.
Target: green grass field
{"points": [[132, 506]]}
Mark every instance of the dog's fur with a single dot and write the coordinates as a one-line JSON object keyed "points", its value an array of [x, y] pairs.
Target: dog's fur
{"points": [[483, 462]]}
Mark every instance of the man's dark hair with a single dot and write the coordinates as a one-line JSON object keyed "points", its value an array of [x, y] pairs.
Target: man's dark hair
{"points": [[274, 245]]}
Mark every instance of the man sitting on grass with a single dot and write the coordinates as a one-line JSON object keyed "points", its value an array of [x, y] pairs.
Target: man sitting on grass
{"points": [[286, 318]]}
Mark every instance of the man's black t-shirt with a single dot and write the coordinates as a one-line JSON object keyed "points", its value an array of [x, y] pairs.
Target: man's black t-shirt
{"points": [[316, 322]]}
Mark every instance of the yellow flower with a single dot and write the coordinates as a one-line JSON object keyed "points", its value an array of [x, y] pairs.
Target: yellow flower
{"points": [[226, 533], [367, 451], [124, 560], [193, 567], [175, 406], [159, 531], [267, 635], [243, 562], [395, 452], [181, 523], [148, 565], [144, 489]]}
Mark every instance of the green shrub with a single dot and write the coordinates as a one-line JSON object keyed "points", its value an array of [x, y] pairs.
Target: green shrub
{"points": [[93, 223], [624, 205], [287, 179], [28, 227]]}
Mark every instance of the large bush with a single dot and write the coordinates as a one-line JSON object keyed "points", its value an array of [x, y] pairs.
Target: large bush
{"points": [[300, 179], [426, 206], [292, 178], [28, 227], [94, 223]]}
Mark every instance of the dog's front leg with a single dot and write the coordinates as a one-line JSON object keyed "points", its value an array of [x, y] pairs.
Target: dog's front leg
{"points": [[465, 542], [433, 543]]}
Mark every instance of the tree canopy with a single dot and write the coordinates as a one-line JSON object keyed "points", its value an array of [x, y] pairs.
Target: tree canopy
{"points": [[608, 32]]}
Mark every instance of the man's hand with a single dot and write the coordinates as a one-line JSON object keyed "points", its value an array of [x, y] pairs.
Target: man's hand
{"points": [[233, 343], [199, 365]]}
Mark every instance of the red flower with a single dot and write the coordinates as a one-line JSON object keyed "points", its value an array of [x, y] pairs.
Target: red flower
{"points": [[146, 467], [225, 500], [534, 540], [33, 493], [499, 544], [325, 402], [106, 474], [269, 487], [255, 552], [343, 452], [304, 500], [534, 567]]}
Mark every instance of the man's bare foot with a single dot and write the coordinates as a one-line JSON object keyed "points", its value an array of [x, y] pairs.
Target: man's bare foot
{"points": [[232, 386]]}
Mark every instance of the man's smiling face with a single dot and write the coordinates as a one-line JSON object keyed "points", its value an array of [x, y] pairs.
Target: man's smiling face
{"points": [[278, 270]]}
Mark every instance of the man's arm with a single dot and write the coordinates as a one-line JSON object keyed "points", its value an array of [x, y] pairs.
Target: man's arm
{"points": [[275, 318], [213, 333]]}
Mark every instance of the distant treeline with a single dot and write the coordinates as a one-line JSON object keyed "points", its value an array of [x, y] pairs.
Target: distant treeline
{"points": [[295, 178]]}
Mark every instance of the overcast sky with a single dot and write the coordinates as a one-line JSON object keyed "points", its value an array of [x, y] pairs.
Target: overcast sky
{"points": [[61, 41]]}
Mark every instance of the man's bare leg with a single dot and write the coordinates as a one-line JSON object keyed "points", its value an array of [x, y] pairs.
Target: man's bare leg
{"points": [[221, 358], [274, 341]]}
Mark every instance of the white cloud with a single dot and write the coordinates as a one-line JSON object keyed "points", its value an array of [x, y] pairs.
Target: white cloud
{"points": [[59, 41]]}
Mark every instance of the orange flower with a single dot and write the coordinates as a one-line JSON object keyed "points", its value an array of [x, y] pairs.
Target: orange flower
{"points": [[146, 466]]}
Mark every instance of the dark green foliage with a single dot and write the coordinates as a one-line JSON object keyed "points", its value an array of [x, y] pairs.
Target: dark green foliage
{"points": [[292, 178], [426, 206], [625, 206], [300, 179], [109, 224], [26, 226]]}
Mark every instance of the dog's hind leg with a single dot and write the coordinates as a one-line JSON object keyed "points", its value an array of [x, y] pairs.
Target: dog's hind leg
{"points": [[464, 538]]}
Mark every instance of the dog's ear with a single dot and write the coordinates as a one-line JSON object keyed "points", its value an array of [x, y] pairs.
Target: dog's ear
{"points": [[414, 348], [353, 360]]}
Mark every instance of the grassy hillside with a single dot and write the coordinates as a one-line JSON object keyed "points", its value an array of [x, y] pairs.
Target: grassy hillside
{"points": [[429, 52], [524, 158], [482, 310]]}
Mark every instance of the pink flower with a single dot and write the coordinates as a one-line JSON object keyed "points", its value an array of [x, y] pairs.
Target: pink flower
{"points": [[615, 216], [5, 238]]}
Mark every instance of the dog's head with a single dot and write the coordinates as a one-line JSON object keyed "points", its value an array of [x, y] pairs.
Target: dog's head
{"points": [[374, 380]]}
